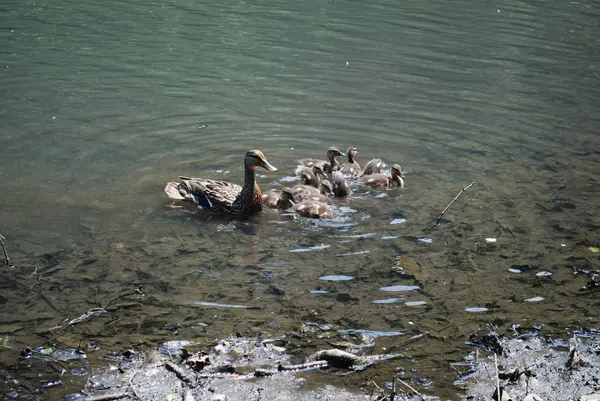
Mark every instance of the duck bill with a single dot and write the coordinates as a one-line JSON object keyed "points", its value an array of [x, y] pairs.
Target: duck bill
{"points": [[342, 154], [269, 167]]}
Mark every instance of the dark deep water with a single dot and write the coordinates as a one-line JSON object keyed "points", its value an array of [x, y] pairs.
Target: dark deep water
{"points": [[101, 105]]}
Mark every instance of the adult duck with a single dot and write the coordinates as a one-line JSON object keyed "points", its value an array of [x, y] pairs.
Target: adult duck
{"points": [[224, 197], [328, 165], [385, 181], [351, 168]]}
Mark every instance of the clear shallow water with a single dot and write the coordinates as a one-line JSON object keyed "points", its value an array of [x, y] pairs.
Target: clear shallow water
{"points": [[101, 105]]}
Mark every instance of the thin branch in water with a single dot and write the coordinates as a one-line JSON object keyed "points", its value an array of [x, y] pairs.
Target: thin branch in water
{"points": [[412, 389], [2, 238], [437, 223], [32, 274], [177, 234]]}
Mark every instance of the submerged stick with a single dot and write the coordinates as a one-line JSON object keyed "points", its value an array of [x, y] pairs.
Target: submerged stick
{"points": [[412, 389], [437, 223], [2, 238]]}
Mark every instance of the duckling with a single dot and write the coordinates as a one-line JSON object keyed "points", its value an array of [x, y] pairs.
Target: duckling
{"points": [[384, 181], [279, 198], [306, 192], [310, 175], [315, 209], [352, 167], [374, 166], [340, 186], [328, 165]]}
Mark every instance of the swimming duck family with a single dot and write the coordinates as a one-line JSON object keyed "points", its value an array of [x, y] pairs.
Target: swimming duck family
{"points": [[311, 198]]}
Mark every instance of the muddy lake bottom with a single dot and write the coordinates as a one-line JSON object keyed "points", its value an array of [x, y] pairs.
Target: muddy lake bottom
{"points": [[383, 278]]}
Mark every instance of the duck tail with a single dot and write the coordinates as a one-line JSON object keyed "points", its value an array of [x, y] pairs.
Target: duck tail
{"points": [[172, 191]]}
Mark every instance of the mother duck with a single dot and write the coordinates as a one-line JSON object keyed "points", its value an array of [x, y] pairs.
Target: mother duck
{"points": [[221, 196]]}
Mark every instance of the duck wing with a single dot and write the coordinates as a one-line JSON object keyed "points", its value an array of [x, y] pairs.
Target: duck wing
{"points": [[204, 192], [375, 180]]}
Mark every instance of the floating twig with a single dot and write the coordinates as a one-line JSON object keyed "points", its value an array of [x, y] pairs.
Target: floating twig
{"points": [[2, 238], [453, 200], [412, 389]]}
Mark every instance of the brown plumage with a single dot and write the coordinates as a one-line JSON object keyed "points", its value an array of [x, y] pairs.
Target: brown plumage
{"points": [[279, 198], [384, 181], [307, 192], [374, 166], [314, 209], [310, 175], [221, 196], [340, 185], [352, 167], [328, 165]]}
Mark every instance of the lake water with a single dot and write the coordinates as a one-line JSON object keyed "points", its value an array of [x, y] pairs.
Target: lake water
{"points": [[104, 102]]}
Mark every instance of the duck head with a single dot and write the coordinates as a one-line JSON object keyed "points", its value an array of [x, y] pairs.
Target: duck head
{"points": [[333, 152], [287, 196], [351, 152], [256, 158], [325, 187], [318, 171], [396, 174]]}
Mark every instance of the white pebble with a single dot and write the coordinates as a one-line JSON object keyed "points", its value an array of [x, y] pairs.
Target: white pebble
{"points": [[490, 240]]}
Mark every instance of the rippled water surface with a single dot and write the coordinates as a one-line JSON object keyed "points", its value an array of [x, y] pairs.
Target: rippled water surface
{"points": [[102, 103]]}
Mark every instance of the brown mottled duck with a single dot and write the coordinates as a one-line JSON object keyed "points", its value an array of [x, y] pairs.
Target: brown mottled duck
{"points": [[340, 185], [374, 166], [279, 198], [328, 165], [310, 175], [385, 181], [352, 167], [307, 192], [314, 209], [221, 196]]}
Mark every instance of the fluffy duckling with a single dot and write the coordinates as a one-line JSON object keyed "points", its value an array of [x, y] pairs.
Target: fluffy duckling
{"points": [[314, 209], [352, 167], [385, 181], [340, 185], [306, 192], [279, 198], [310, 175], [374, 166], [328, 165]]}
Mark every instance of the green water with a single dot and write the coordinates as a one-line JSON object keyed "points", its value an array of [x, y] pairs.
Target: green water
{"points": [[101, 105]]}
